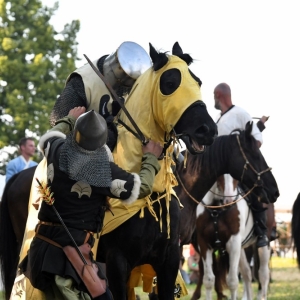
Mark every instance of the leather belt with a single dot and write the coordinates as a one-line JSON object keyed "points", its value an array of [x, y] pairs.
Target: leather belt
{"points": [[48, 223], [88, 233]]}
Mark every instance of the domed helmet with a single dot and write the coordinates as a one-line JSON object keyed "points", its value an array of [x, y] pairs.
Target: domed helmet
{"points": [[90, 131], [85, 156], [125, 65]]}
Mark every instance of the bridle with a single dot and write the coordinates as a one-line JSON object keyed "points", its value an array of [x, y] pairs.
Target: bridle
{"points": [[258, 183], [225, 196], [247, 163]]}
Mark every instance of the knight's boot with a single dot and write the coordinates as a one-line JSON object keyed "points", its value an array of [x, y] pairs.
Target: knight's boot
{"points": [[260, 228], [271, 214]]}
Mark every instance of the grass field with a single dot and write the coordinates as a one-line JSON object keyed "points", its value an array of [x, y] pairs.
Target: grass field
{"points": [[285, 285]]}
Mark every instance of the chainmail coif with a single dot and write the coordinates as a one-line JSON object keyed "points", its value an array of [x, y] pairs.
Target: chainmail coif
{"points": [[92, 167]]}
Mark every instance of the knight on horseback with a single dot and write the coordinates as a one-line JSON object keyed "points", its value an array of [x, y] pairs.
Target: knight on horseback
{"points": [[84, 87], [230, 118]]}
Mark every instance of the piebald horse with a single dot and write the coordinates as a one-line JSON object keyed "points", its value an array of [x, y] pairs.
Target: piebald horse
{"points": [[224, 228]]}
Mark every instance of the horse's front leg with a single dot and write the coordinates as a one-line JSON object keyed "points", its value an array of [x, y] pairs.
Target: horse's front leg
{"points": [[246, 275], [167, 273], [209, 277], [263, 272], [197, 292], [233, 247], [117, 273]]}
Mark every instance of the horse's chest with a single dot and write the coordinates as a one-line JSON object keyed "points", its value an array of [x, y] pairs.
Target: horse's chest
{"points": [[219, 225]]}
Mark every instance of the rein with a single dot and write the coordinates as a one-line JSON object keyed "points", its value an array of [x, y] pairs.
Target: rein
{"points": [[212, 206]]}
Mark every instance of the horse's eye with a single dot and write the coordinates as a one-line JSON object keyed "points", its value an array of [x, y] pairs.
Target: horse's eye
{"points": [[170, 81]]}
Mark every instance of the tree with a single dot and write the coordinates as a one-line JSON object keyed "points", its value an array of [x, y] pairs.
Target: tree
{"points": [[35, 61]]}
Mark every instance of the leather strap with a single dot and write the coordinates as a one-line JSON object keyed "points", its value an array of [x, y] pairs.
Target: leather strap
{"points": [[44, 238], [41, 237], [49, 223]]}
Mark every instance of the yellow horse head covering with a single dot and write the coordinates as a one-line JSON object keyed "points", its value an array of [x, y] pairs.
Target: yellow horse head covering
{"points": [[155, 114]]}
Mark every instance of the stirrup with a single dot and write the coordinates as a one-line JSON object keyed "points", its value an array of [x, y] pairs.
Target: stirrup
{"points": [[262, 241], [273, 235]]}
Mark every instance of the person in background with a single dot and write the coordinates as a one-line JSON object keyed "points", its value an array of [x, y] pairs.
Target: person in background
{"points": [[24, 160], [183, 273], [233, 117], [82, 177], [193, 265]]}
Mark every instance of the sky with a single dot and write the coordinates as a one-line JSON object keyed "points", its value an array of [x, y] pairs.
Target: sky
{"points": [[251, 45]]}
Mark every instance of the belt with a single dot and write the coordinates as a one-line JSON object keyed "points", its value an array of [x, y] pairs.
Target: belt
{"points": [[41, 237], [49, 223], [88, 233]]}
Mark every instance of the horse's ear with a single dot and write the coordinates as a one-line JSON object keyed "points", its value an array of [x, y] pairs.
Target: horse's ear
{"points": [[153, 53], [176, 50], [248, 128], [158, 59]]}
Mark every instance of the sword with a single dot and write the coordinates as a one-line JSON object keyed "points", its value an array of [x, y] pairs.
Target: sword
{"points": [[116, 98], [260, 118]]}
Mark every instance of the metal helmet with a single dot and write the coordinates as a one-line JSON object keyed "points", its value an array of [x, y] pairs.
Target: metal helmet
{"points": [[90, 131], [126, 64]]}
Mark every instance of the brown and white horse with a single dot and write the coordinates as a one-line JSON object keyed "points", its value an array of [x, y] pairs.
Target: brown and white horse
{"points": [[224, 228]]}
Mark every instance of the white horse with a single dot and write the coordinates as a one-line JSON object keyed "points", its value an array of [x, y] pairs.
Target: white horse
{"points": [[224, 228]]}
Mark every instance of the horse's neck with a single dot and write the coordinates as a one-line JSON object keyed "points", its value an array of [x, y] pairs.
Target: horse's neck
{"points": [[211, 195], [228, 187], [224, 190], [217, 156], [202, 171]]}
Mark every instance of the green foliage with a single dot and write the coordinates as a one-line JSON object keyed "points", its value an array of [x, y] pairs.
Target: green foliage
{"points": [[35, 61]]}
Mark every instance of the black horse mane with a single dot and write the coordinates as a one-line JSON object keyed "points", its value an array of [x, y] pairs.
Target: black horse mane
{"points": [[195, 162], [248, 141]]}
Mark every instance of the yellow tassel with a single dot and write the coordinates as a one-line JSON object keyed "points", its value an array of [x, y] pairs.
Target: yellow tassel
{"points": [[169, 182]]}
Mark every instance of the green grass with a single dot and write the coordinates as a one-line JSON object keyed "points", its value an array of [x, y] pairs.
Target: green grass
{"points": [[285, 285]]}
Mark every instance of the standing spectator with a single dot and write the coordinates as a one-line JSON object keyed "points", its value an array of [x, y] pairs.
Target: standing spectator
{"points": [[23, 161], [193, 265], [183, 273]]}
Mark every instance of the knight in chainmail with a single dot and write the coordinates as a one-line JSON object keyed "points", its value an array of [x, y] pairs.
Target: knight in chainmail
{"points": [[81, 175], [84, 87]]}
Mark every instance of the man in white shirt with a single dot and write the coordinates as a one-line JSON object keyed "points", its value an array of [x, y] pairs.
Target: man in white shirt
{"points": [[233, 117]]}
